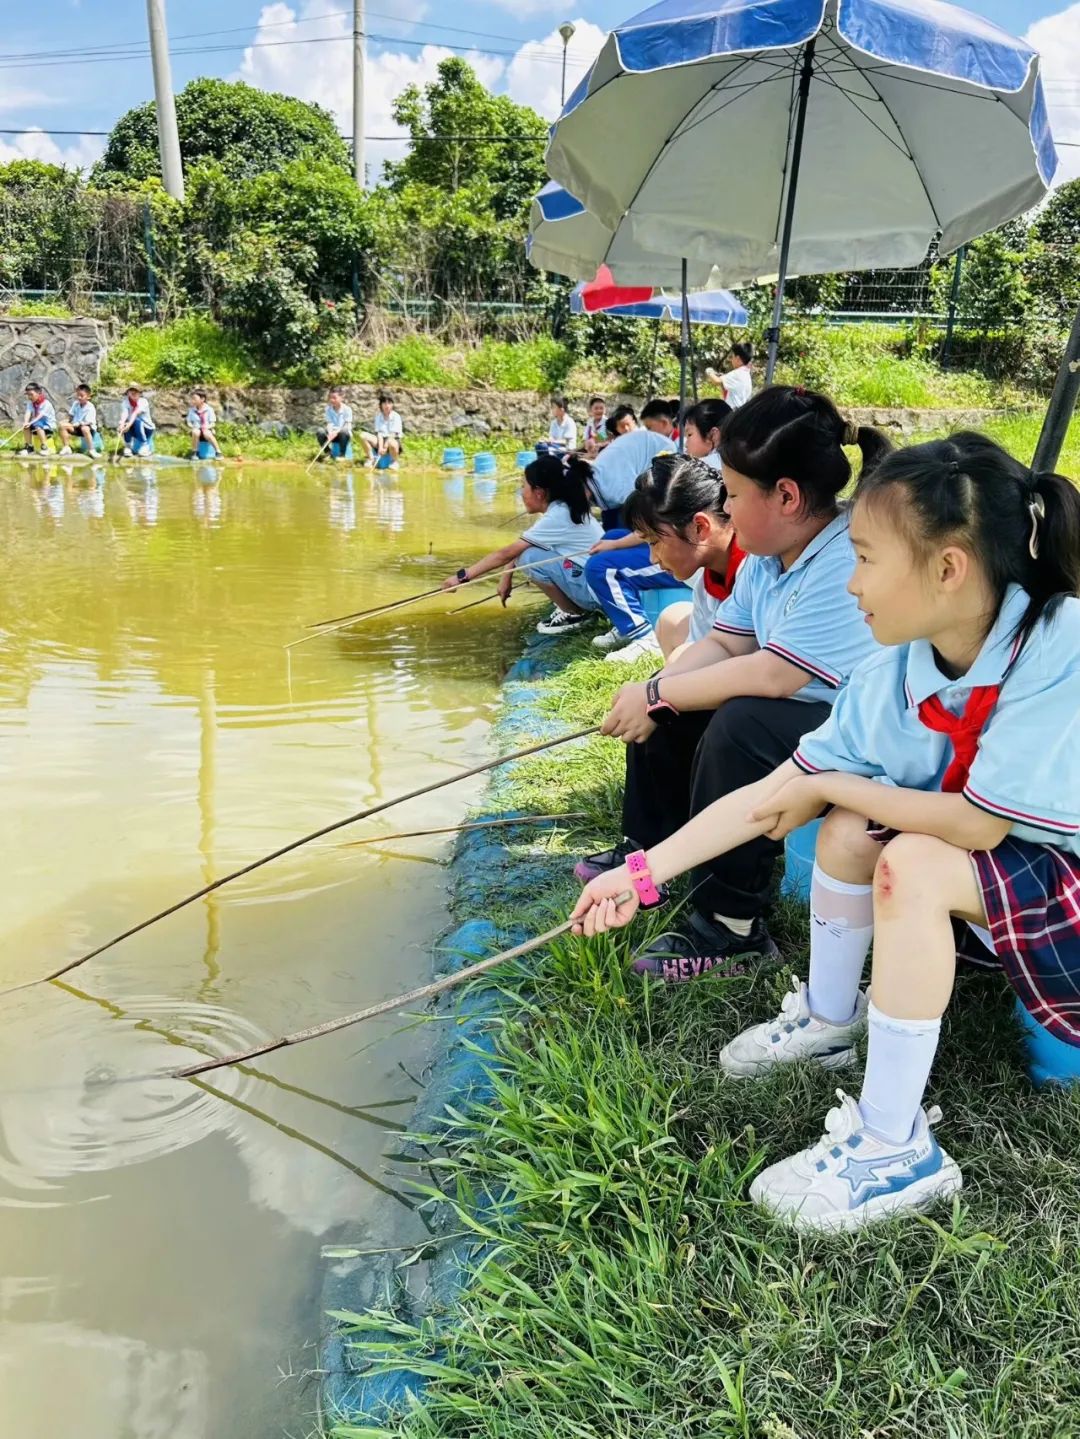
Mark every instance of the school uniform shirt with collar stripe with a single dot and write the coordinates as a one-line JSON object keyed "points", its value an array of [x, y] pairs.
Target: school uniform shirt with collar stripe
{"points": [[804, 614], [710, 590], [1027, 766]]}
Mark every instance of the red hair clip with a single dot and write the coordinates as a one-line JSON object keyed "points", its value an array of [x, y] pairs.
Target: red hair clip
{"points": [[799, 390]]}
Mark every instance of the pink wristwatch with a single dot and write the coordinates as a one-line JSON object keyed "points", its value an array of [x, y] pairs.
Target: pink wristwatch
{"points": [[641, 879]]}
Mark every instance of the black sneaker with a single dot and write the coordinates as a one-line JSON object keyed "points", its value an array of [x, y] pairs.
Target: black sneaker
{"points": [[562, 623], [702, 945], [608, 859]]}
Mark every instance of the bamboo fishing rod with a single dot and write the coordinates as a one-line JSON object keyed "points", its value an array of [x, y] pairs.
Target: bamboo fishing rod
{"points": [[387, 1006], [325, 627], [466, 828], [297, 844]]}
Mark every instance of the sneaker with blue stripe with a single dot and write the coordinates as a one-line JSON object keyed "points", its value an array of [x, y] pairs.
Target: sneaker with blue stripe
{"points": [[852, 1177], [794, 1034]]}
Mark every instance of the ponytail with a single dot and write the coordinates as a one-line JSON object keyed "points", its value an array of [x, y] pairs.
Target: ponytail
{"points": [[671, 492], [787, 432], [565, 480], [1022, 527]]}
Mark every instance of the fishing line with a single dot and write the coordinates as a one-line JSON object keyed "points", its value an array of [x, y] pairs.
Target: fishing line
{"points": [[463, 828], [296, 844]]}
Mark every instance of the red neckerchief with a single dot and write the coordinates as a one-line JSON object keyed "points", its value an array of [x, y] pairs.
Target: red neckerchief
{"points": [[720, 586], [963, 731]]}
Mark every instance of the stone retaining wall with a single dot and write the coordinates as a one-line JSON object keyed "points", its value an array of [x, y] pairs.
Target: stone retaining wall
{"points": [[57, 353]]}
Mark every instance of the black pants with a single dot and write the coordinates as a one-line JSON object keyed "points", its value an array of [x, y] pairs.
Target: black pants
{"points": [[341, 440], [701, 756]]}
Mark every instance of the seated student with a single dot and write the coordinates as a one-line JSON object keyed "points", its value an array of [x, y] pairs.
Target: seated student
{"points": [[621, 421], [81, 424], [660, 417], [39, 421], [553, 487], [736, 382], [200, 422], [336, 432], [389, 431], [950, 769], [136, 427], [596, 435], [563, 428], [733, 706], [621, 567], [618, 465]]}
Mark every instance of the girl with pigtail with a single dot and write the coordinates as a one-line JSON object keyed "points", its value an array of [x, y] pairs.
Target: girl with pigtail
{"points": [[553, 487], [949, 774]]}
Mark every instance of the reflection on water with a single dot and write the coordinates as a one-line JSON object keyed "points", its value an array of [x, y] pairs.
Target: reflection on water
{"points": [[161, 1239]]}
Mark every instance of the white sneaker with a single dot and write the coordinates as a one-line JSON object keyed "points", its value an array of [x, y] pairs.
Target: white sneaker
{"points": [[850, 1177], [66, 450], [610, 640], [127, 455], [644, 647], [794, 1034]]}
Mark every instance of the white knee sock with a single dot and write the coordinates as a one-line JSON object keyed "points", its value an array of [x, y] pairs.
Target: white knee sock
{"points": [[898, 1065], [841, 928]]}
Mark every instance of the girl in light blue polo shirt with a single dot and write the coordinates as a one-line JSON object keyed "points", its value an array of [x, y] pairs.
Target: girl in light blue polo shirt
{"points": [[553, 549], [951, 763]]}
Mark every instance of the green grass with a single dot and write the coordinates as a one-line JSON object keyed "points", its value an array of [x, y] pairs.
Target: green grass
{"points": [[42, 309], [627, 1290], [190, 351]]}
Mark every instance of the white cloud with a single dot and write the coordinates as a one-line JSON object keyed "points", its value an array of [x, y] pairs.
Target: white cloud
{"points": [[1057, 39], [79, 153], [323, 72], [534, 75], [522, 9]]}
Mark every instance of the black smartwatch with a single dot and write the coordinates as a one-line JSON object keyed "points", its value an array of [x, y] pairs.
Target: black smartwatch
{"points": [[658, 710], [463, 574]]}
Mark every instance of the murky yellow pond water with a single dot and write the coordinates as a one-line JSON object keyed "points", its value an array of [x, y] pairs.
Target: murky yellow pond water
{"points": [[160, 1243]]}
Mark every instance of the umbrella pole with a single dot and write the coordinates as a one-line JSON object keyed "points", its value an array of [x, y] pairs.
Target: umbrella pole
{"points": [[1062, 404], [773, 336], [652, 362], [684, 349]]}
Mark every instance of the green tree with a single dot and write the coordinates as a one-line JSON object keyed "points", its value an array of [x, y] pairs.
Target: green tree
{"points": [[456, 104], [247, 131], [1054, 263]]}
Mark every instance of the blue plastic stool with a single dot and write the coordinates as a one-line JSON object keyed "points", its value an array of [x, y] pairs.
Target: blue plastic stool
{"points": [[453, 458], [1050, 1060], [205, 450], [654, 602], [339, 451], [484, 463], [385, 461], [96, 448], [799, 848], [143, 448], [525, 457]]}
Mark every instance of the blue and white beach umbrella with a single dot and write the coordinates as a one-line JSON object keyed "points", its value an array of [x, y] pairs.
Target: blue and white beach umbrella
{"points": [[703, 307], [802, 136]]}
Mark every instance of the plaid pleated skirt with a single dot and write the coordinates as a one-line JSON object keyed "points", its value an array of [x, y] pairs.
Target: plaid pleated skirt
{"points": [[1031, 894]]}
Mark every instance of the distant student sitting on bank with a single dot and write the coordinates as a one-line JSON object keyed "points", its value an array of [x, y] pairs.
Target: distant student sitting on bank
{"points": [[336, 433], [563, 428], [39, 421], [200, 422], [136, 425], [553, 487], [596, 434], [736, 382], [388, 431], [81, 425]]}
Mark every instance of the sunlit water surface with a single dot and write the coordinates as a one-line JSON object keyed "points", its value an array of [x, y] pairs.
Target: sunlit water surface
{"points": [[161, 1242]]}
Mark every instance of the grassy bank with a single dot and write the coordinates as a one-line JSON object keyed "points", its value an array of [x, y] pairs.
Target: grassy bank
{"points": [[629, 1289], [867, 364]]}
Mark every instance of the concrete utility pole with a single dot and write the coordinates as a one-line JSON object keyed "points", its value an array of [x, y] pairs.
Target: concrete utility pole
{"points": [[172, 170], [358, 92]]}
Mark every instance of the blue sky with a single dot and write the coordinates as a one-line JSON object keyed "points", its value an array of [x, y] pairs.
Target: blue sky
{"points": [[519, 52]]}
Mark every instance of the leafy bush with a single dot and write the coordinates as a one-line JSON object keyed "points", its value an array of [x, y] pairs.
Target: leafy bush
{"points": [[541, 364], [191, 351], [410, 361]]}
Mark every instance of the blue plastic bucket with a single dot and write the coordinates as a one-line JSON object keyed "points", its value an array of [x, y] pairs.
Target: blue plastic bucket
{"points": [[799, 850], [205, 450], [384, 461], [654, 602], [339, 451], [525, 457], [453, 458], [484, 463], [1050, 1060], [96, 448]]}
